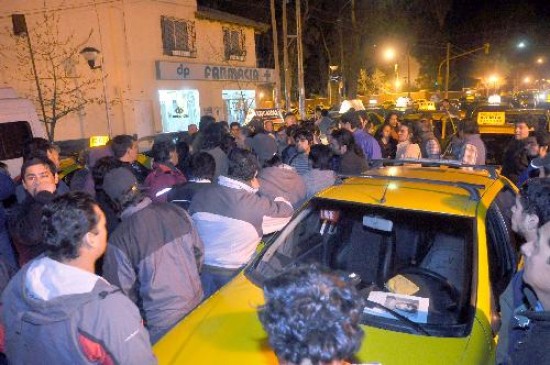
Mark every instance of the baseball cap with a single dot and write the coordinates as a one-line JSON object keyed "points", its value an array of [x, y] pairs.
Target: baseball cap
{"points": [[119, 181], [541, 162]]}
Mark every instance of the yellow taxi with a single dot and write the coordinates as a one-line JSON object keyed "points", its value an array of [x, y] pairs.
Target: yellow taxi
{"points": [[429, 248]]}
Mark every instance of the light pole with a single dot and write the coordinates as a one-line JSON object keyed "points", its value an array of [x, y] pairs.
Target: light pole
{"points": [[91, 54], [494, 79], [331, 70], [389, 55]]}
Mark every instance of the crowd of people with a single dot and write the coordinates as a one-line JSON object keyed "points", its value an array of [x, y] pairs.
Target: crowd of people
{"points": [[180, 231]]}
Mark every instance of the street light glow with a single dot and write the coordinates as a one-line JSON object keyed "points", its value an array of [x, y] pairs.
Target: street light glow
{"points": [[521, 44], [493, 78], [389, 54], [527, 80], [540, 60]]}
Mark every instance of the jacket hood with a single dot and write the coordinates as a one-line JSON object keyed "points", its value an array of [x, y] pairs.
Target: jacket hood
{"points": [[283, 174], [48, 291]]}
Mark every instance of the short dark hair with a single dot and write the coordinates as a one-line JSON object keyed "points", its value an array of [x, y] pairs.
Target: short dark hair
{"points": [[534, 198], [324, 112], [243, 164], [388, 117], [38, 147], [351, 117], [320, 156], [543, 139], [102, 167], [203, 166], [65, 221], [161, 151], [121, 143], [38, 160], [205, 121], [304, 133], [310, 313], [345, 138], [212, 136], [469, 126], [235, 124]]}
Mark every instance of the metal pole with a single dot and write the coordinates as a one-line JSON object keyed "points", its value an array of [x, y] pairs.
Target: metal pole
{"points": [[408, 72], [341, 92], [448, 71], [276, 55], [301, 87], [285, 58]]}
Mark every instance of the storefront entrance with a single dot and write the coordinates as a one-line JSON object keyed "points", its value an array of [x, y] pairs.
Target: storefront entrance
{"points": [[237, 103]]}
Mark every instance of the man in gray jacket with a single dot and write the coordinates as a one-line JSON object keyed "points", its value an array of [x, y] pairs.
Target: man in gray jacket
{"points": [[154, 255], [232, 218], [57, 311]]}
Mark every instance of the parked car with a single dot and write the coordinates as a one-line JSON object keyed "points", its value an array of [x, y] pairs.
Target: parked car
{"points": [[429, 248]]}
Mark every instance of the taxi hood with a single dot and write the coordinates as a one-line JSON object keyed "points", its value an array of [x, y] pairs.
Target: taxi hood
{"points": [[226, 328]]}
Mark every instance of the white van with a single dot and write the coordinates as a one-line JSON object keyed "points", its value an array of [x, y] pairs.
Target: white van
{"points": [[18, 124]]}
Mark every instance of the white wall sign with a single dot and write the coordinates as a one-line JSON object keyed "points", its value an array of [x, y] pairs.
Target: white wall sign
{"points": [[191, 71]]}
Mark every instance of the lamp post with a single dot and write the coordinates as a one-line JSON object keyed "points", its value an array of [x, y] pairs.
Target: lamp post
{"points": [[332, 69], [494, 79], [389, 55], [91, 54]]}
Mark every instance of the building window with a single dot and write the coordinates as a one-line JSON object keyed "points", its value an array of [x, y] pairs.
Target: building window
{"points": [[178, 37], [234, 44]]}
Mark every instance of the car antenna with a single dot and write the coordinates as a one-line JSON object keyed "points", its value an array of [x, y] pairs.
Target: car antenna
{"points": [[383, 198]]}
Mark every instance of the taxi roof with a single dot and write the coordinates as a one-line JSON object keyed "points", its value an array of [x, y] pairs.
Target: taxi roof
{"points": [[442, 190]]}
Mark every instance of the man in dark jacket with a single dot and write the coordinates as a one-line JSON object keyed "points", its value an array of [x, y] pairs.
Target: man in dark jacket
{"points": [[515, 155], [525, 304], [125, 149], [154, 255], [57, 311], [39, 179], [203, 168]]}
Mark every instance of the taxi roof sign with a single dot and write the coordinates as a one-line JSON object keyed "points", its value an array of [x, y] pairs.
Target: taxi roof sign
{"points": [[491, 118], [96, 141]]}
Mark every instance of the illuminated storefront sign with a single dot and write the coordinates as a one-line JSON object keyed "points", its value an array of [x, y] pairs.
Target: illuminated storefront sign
{"points": [[189, 71]]}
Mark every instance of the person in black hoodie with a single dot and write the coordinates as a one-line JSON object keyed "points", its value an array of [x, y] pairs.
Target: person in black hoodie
{"points": [[39, 179], [515, 155]]}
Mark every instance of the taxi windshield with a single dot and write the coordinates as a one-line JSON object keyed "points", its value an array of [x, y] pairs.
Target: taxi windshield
{"points": [[414, 268]]}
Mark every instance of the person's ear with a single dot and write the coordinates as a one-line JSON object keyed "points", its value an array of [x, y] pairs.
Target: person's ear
{"points": [[56, 178], [532, 222]]}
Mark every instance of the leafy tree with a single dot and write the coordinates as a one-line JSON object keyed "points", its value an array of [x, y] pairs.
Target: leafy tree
{"points": [[57, 88]]}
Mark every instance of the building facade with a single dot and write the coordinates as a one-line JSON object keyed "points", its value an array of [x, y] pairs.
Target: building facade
{"points": [[160, 64]]}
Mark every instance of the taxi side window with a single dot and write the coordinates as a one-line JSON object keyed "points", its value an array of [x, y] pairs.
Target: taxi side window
{"points": [[501, 242]]}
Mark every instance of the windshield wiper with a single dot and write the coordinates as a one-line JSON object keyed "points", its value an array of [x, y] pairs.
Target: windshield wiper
{"points": [[412, 324]]}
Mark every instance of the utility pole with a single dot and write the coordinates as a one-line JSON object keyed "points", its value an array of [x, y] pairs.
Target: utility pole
{"points": [[301, 88], [408, 72], [277, 94], [447, 72], [285, 58], [341, 88]]}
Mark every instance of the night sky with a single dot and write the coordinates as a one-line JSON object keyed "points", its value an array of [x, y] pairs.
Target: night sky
{"points": [[468, 24]]}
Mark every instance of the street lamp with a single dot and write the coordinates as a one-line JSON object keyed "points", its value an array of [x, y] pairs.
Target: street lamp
{"points": [[332, 69], [91, 54], [522, 44], [540, 60], [493, 79]]}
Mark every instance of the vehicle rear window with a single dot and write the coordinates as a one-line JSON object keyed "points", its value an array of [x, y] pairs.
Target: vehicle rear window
{"points": [[12, 137]]}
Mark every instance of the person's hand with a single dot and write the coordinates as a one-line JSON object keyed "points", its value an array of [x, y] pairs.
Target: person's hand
{"points": [[255, 183], [45, 186]]}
